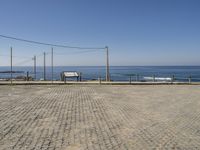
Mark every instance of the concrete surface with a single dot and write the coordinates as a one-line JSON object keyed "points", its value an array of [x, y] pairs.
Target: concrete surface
{"points": [[94, 117]]}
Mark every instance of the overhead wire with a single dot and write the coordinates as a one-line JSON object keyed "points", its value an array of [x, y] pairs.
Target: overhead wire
{"points": [[29, 60], [78, 52], [49, 44], [22, 62], [87, 49], [15, 56]]}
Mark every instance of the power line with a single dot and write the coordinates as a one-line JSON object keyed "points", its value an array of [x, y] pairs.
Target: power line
{"points": [[14, 56], [77, 52], [48, 44], [22, 62]]}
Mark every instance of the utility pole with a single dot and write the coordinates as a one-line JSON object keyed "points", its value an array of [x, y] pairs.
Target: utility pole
{"points": [[11, 67], [107, 65], [34, 68], [44, 66], [52, 65]]}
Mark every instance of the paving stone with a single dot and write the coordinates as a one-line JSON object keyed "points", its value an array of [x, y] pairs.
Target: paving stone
{"points": [[104, 117]]}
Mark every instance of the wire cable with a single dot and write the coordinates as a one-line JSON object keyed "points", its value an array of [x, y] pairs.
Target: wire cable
{"points": [[15, 56], [77, 52], [22, 62], [48, 44]]}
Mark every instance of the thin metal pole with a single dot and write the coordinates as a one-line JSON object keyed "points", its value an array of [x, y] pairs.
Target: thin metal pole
{"points": [[11, 67], [99, 79], [137, 77], [172, 79], [34, 58], [107, 65], [80, 76], [190, 79], [154, 78], [27, 76], [44, 66], [52, 65]]}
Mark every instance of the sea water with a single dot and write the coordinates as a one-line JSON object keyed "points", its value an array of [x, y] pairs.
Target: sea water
{"points": [[117, 73]]}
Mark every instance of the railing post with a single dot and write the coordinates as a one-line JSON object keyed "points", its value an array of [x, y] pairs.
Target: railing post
{"points": [[137, 77], [190, 79], [173, 77], [99, 79], [130, 80], [80, 76], [11, 67], [44, 66], [107, 65], [52, 65], [154, 78], [27, 76], [34, 68]]}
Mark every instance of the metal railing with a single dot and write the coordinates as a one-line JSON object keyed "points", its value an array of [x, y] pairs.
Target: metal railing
{"points": [[126, 78]]}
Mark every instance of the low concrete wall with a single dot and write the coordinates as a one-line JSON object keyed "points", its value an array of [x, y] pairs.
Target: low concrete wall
{"points": [[93, 83]]}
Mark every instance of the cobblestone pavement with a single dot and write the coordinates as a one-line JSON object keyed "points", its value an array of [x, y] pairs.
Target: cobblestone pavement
{"points": [[99, 117]]}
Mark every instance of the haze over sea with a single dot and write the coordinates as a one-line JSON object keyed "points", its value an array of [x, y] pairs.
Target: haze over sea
{"points": [[118, 73]]}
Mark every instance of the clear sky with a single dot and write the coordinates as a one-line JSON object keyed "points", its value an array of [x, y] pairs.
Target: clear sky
{"points": [[138, 32]]}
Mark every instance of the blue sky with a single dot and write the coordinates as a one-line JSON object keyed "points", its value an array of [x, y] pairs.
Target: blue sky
{"points": [[138, 32]]}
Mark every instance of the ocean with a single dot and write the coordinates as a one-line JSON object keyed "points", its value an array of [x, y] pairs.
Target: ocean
{"points": [[117, 73]]}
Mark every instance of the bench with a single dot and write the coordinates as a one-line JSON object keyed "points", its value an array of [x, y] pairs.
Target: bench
{"points": [[70, 74]]}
